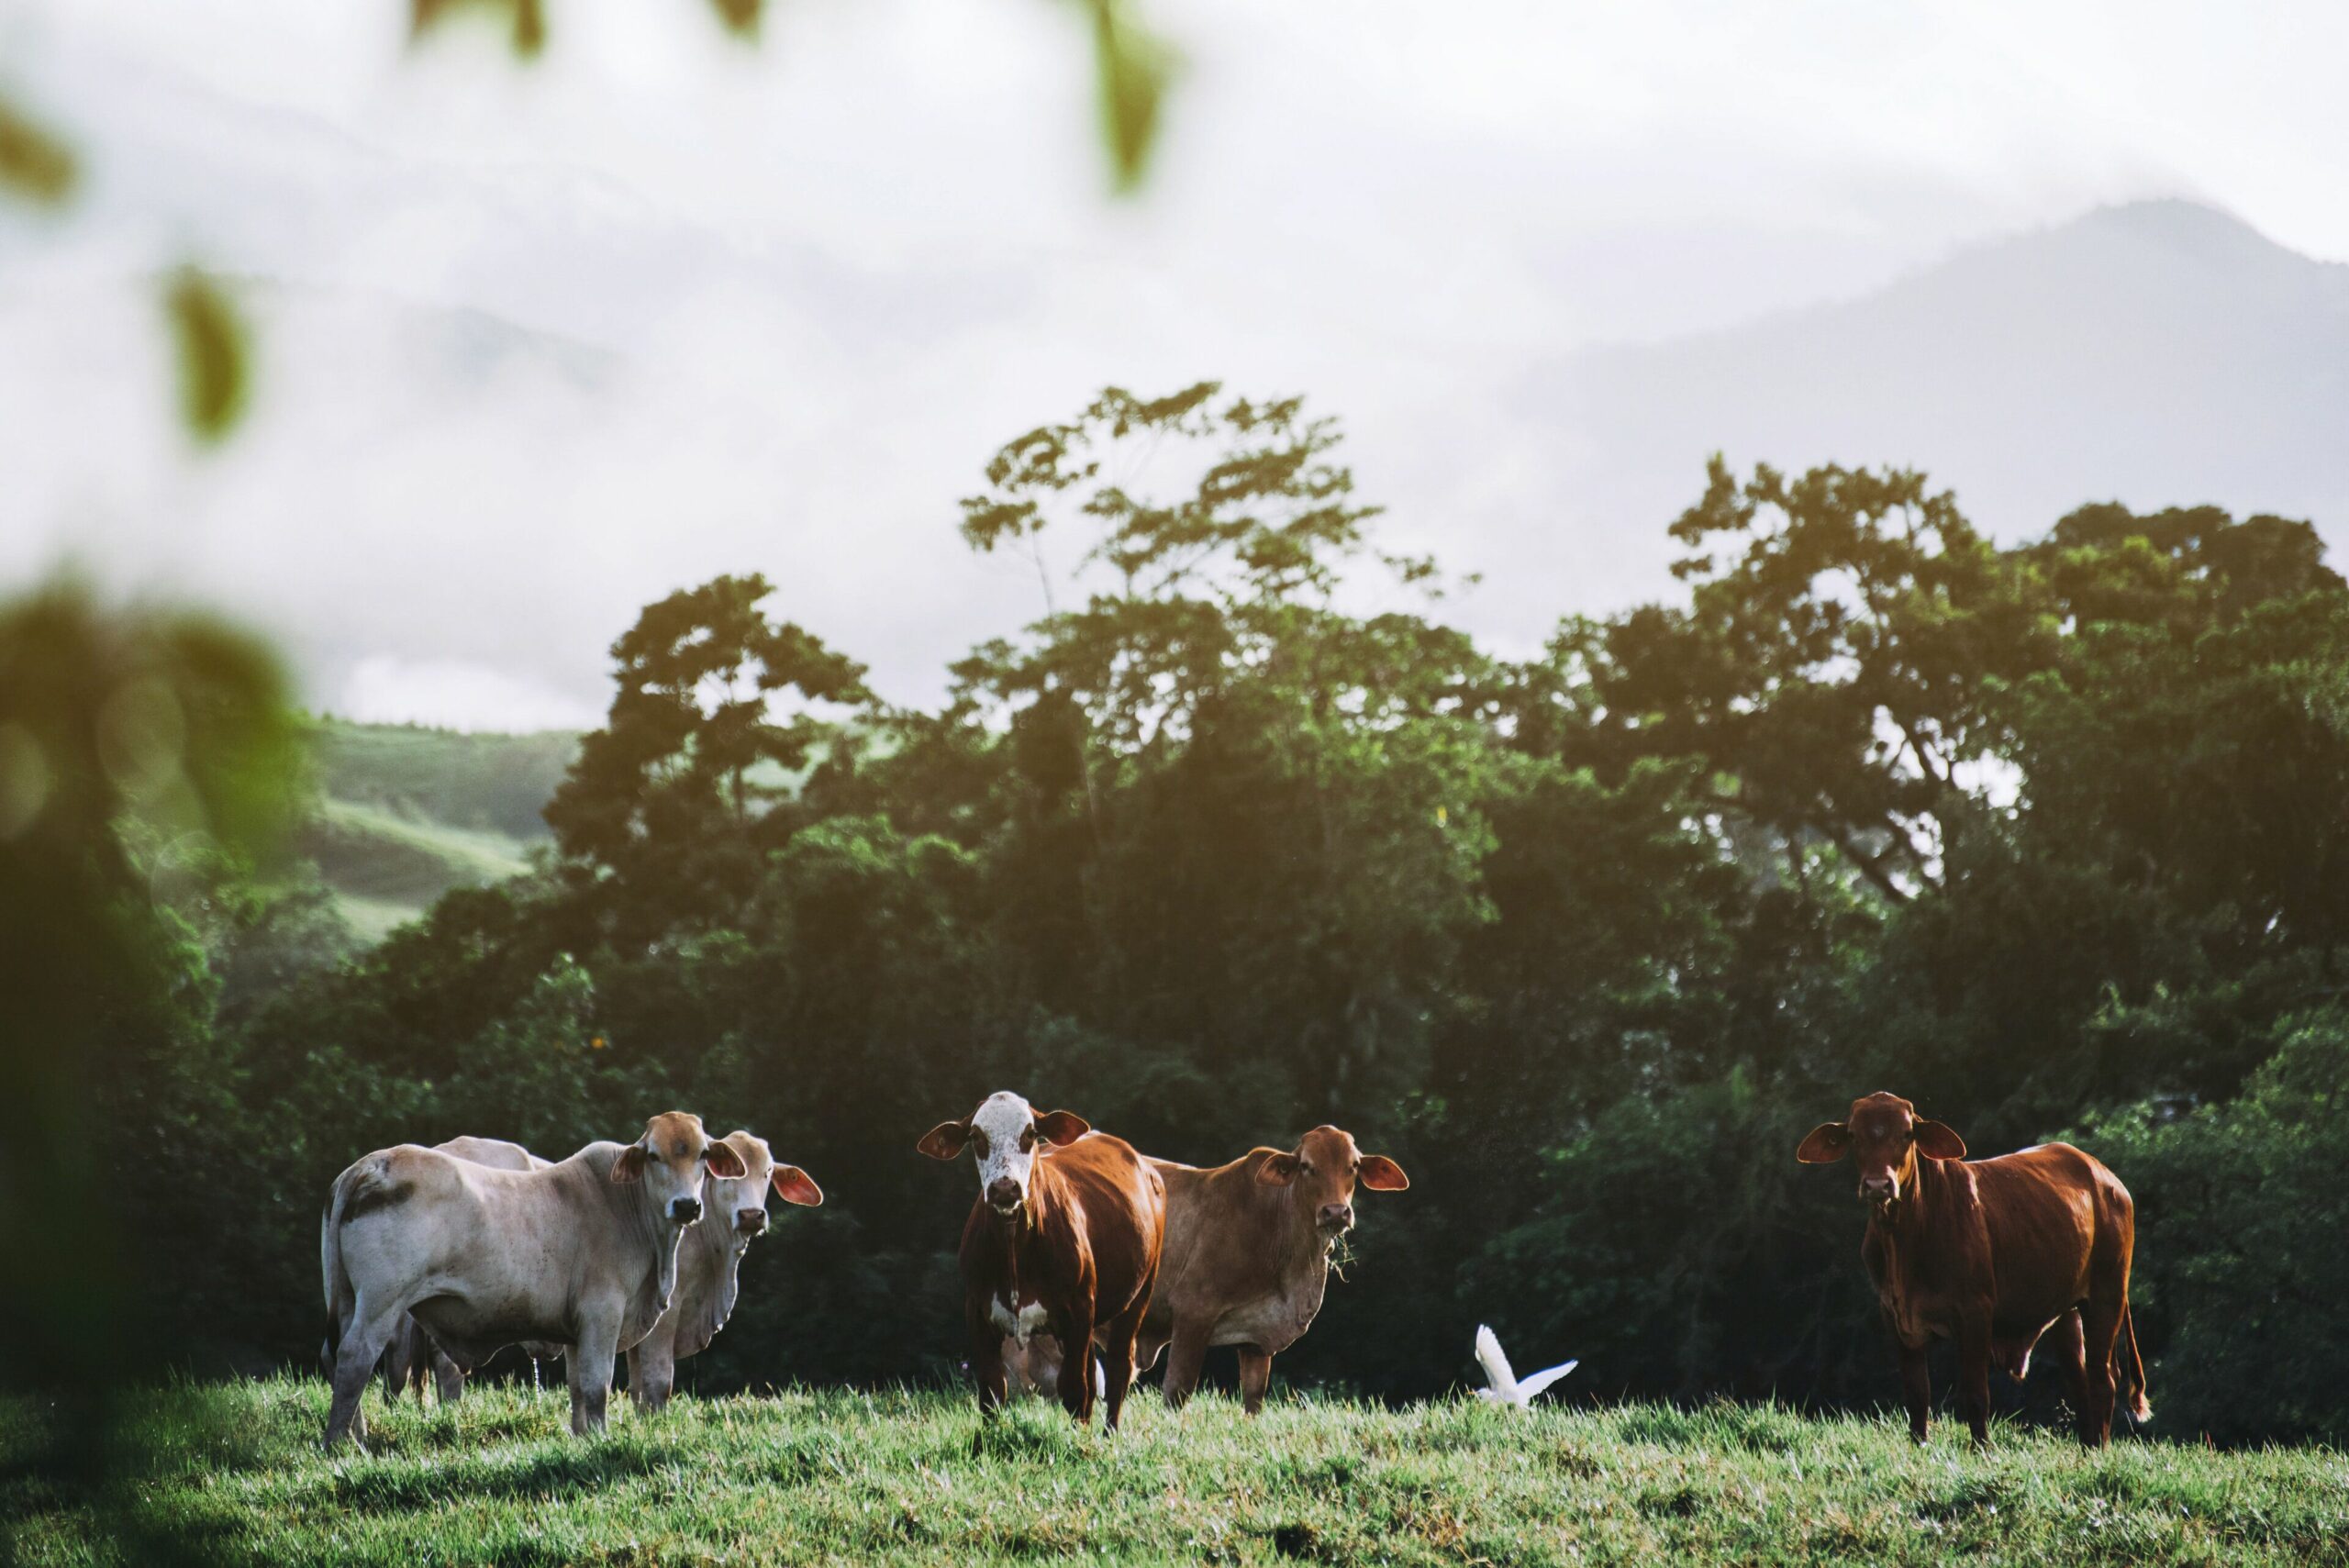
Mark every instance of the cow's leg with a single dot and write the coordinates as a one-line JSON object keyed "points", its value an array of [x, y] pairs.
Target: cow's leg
{"points": [[1116, 1366], [1186, 1354], [1076, 1333], [1255, 1376], [652, 1369], [2070, 1352], [397, 1357], [1974, 1377], [1917, 1389], [448, 1378], [589, 1370], [987, 1372], [2099, 1326], [363, 1339]]}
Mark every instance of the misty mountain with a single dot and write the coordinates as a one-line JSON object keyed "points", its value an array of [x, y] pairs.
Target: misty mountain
{"points": [[2156, 353]]}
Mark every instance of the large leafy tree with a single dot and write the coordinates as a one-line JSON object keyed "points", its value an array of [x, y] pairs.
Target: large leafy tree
{"points": [[1246, 816], [1833, 667], [673, 798]]}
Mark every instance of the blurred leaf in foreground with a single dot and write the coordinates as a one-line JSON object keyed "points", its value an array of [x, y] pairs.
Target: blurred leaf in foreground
{"points": [[1133, 67], [215, 362], [741, 17], [116, 726], [528, 17], [33, 163]]}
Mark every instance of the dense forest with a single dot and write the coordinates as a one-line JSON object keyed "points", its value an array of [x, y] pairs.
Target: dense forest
{"points": [[1240, 837]]}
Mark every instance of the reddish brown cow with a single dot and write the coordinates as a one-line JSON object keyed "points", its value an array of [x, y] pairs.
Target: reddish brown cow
{"points": [[1247, 1254], [1991, 1253], [1065, 1237]]}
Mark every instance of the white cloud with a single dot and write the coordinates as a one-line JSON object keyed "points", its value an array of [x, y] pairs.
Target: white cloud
{"points": [[453, 694]]}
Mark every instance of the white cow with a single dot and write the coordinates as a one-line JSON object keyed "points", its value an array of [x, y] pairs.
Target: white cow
{"points": [[582, 1253], [709, 1263], [412, 1354]]}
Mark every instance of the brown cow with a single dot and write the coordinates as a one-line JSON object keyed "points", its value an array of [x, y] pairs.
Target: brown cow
{"points": [[582, 1253], [1248, 1249], [1065, 1237], [1991, 1253], [709, 1263]]}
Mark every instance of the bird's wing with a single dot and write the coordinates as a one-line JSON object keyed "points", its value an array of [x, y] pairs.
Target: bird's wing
{"points": [[1542, 1380], [1495, 1365]]}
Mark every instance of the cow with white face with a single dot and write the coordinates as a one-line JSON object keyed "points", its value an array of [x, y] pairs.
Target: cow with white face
{"points": [[1064, 1238], [1004, 1133], [709, 1265], [581, 1253]]}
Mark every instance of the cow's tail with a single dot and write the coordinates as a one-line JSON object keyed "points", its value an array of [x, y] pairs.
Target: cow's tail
{"points": [[2140, 1409], [340, 1297]]}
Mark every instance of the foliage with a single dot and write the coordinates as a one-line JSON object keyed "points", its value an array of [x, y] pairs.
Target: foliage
{"points": [[2240, 1214], [215, 368], [1132, 67], [120, 729], [34, 164], [890, 1476]]}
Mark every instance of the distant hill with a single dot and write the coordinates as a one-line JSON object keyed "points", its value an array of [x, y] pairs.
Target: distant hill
{"points": [[406, 813], [2158, 353]]}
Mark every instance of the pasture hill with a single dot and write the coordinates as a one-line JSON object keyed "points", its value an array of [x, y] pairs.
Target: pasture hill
{"points": [[405, 813]]}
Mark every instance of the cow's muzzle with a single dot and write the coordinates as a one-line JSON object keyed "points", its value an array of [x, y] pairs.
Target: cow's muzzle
{"points": [[1881, 1191], [685, 1210], [1336, 1217], [1004, 1196], [751, 1221]]}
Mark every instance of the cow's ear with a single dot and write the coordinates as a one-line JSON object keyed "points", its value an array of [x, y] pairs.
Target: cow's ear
{"points": [[792, 1184], [1828, 1143], [1939, 1141], [1381, 1174], [629, 1166], [724, 1162], [1062, 1127], [1277, 1170], [945, 1140]]}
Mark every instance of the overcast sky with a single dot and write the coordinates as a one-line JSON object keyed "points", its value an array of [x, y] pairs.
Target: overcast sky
{"points": [[539, 344]]}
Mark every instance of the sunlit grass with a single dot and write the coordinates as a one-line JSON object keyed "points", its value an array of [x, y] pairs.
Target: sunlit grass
{"points": [[842, 1477]]}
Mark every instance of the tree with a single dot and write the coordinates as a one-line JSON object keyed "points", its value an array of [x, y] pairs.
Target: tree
{"points": [[671, 796], [1831, 667]]}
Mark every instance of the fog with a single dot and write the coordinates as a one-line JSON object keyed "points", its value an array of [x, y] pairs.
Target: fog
{"points": [[537, 343]]}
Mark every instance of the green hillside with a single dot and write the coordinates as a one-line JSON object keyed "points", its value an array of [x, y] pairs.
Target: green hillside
{"points": [[236, 1471], [405, 813]]}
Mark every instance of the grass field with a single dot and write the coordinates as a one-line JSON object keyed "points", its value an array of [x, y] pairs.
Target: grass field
{"points": [[404, 813], [836, 1477]]}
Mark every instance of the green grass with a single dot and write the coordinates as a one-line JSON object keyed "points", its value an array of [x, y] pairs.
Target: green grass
{"points": [[842, 1477], [404, 813], [492, 782], [386, 869]]}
